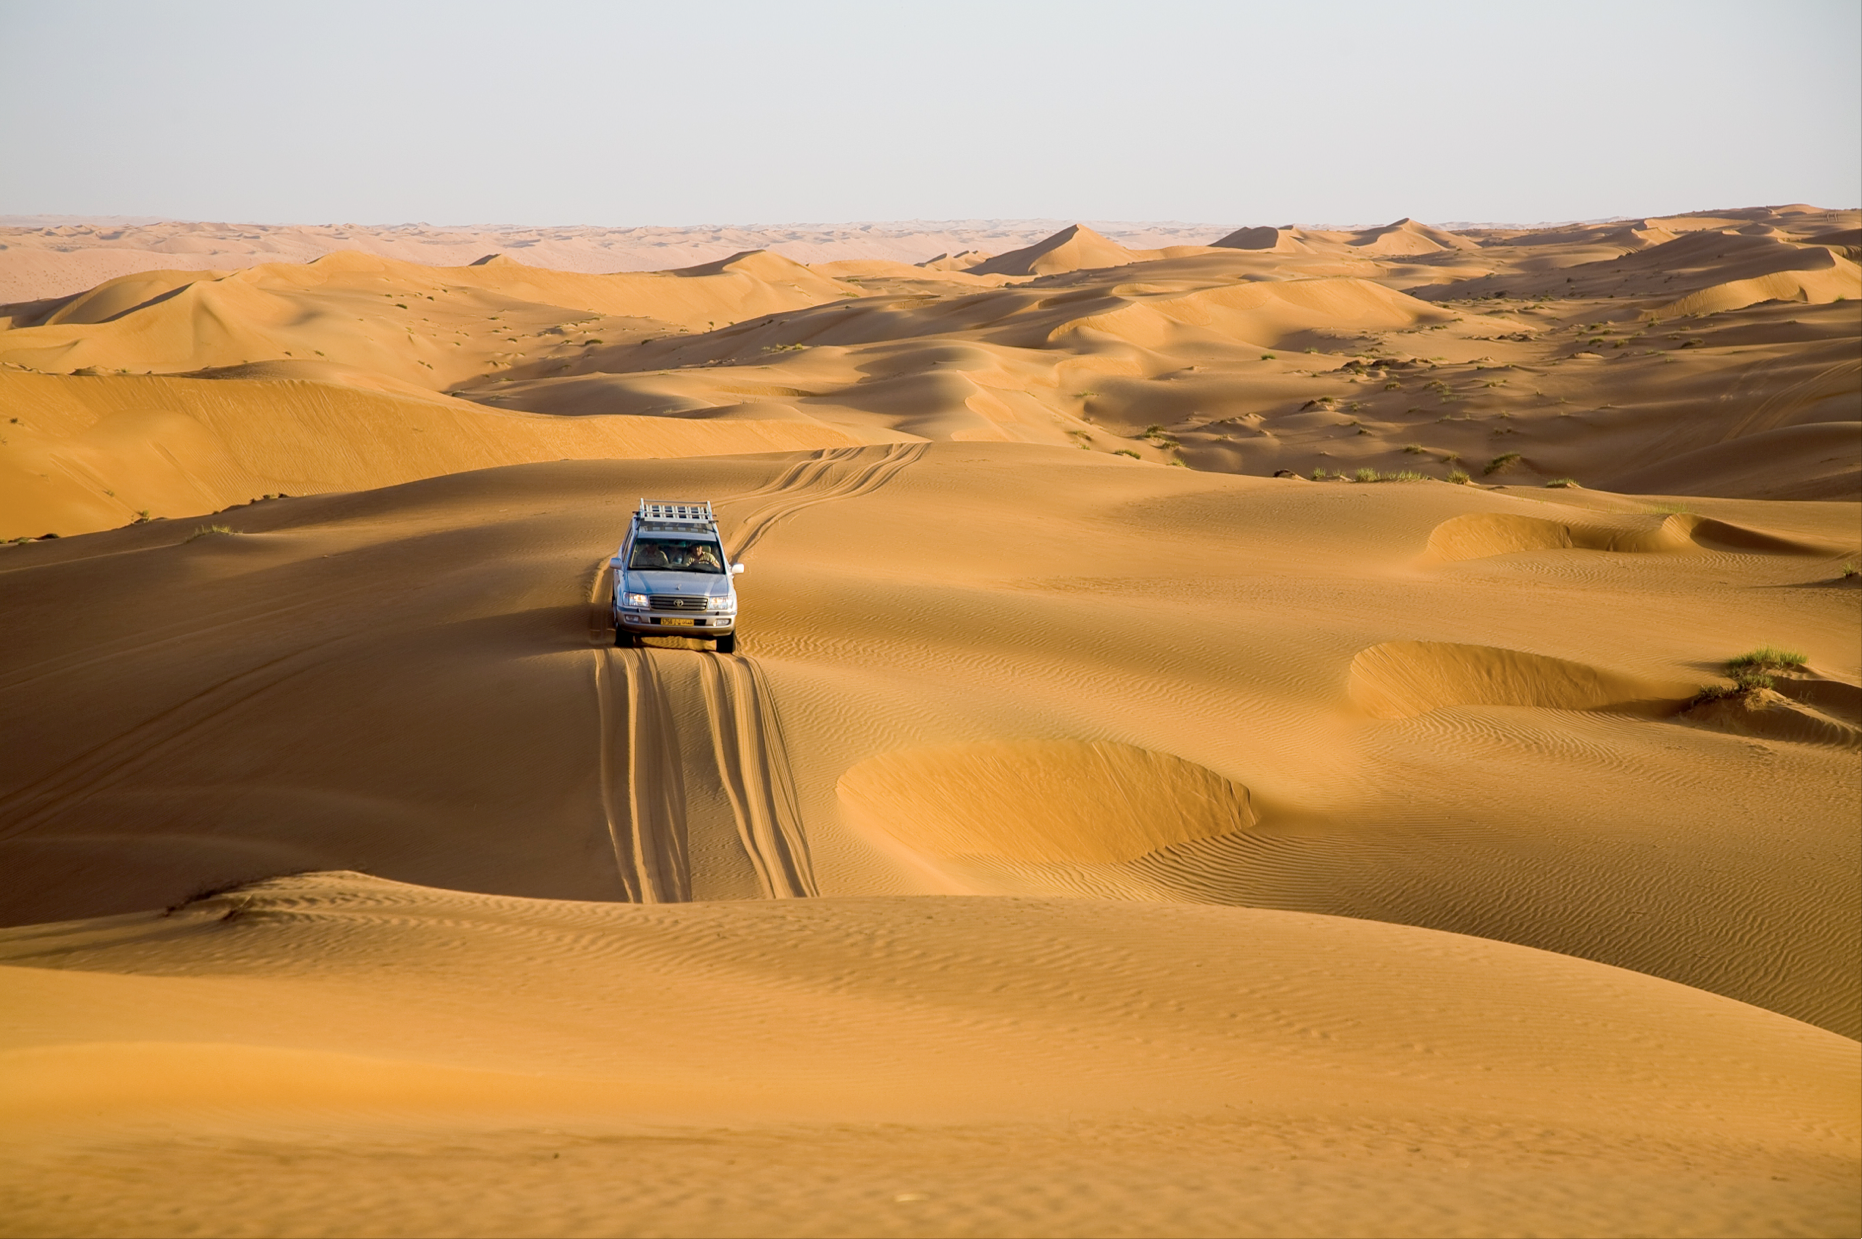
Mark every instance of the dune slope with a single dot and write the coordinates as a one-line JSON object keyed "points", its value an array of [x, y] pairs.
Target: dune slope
{"points": [[346, 1056]]}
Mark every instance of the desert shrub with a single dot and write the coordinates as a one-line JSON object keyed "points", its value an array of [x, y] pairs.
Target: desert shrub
{"points": [[1501, 461], [1711, 692], [1414, 449], [1751, 681], [208, 530], [1459, 478], [1563, 484], [1125, 451]]}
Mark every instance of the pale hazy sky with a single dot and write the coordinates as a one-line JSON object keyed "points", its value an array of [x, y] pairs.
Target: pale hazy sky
{"points": [[692, 113]]}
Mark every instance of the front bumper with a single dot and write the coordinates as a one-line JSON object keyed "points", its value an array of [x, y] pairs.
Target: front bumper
{"points": [[676, 623]]}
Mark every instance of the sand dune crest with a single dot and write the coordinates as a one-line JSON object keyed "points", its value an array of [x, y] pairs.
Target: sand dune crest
{"points": [[1074, 248], [1402, 679], [1477, 535], [1043, 800]]}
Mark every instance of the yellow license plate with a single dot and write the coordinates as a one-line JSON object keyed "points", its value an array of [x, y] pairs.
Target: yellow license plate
{"points": [[678, 623]]}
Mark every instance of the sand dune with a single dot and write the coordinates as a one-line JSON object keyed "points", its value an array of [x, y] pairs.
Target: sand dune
{"points": [[1092, 833], [98, 451], [1043, 801], [709, 1067], [1407, 237], [1074, 248]]}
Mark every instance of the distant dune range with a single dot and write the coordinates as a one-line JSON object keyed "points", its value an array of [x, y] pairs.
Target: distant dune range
{"points": [[1653, 356], [1094, 833], [56, 256]]}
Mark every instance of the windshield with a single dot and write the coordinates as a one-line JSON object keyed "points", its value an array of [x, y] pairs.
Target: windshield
{"points": [[676, 555]]}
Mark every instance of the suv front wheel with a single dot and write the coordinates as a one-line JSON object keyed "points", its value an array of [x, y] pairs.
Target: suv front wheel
{"points": [[727, 644]]}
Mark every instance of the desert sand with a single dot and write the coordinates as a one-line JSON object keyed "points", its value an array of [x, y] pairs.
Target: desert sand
{"points": [[1216, 746]]}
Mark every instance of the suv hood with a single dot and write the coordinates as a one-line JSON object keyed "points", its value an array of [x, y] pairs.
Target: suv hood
{"points": [[700, 584]]}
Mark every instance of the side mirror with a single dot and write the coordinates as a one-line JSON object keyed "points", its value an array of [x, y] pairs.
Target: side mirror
{"points": [[614, 562], [736, 569]]}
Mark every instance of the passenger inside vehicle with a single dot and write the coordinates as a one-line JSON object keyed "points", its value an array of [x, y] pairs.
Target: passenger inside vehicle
{"points": [[676, 555]]}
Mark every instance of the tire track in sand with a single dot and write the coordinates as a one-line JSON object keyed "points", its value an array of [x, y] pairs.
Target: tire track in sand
{"points": [[887, 463], [648, 835], [646, 819], [753, 766]]}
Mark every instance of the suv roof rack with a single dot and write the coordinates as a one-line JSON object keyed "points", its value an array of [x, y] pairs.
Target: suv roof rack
{"points": [[676, 512]]}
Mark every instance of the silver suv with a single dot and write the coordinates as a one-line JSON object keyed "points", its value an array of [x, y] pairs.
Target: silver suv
{"points": [[671, 578]]}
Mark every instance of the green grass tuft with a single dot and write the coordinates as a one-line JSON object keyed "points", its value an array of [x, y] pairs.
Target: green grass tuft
{"points": [[1765, 658], [206, 530], [1500, 462], [1371, 475], [1750, 672], [1459, 477], [1563, 484]]}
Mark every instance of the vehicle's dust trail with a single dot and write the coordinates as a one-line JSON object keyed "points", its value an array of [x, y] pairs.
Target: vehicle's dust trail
{"points": [[746, 740]]}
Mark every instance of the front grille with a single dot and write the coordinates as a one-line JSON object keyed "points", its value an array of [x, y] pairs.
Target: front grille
{"points": [[679, 602]]}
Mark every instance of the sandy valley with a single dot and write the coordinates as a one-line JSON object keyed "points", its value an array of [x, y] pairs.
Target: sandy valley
{"points": [[1232, 734]]}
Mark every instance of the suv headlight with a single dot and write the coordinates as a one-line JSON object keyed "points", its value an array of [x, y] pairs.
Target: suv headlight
{"points": [[634, 600], [725, 603]]}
